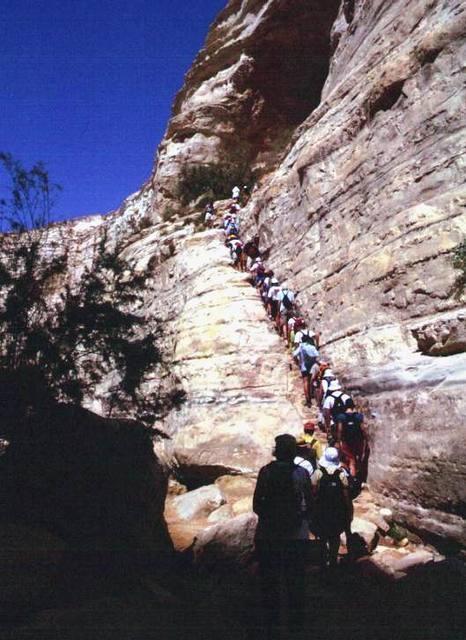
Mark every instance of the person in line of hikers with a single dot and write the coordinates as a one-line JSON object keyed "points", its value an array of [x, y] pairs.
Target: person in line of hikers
{"points": [[272, 298], [309, 440], [306, 354], [264, 286], [209, 214], [333, 508], [302, 331], [226, 222], [251, 250], [295, 324], [255, 268], [335, 403], [235, 193], [325, 377], [234, 214], [304, 459], [286, 299], [231, 227], [283, 502], [228, 219], [352, 441], [236, 247], [230, 238], [260, 275]]}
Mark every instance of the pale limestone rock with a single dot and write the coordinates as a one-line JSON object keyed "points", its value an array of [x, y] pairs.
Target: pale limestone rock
{"points": [[175, 488], [230, 365], [412, 560], [198, 503], [225, 512], [242, 506], [236, 487]]}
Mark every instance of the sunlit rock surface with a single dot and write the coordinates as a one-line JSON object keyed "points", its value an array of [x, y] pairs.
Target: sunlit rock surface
{"points": [[360, 211], [361, 217]]}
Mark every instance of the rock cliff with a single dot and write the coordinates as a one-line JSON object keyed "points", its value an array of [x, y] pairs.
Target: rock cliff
{"points": [[361, 214], [353, 118]]}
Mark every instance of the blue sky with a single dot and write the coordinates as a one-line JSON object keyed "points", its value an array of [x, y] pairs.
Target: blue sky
{"points": [[87, 86]]}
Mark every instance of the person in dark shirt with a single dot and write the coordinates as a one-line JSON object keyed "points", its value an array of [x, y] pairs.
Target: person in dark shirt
{"points": [[283, 502]]}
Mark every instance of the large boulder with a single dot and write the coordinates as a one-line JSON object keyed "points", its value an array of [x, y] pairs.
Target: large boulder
{"points": [[227, 544], [196, 504], [95, 480], [236, 487]]}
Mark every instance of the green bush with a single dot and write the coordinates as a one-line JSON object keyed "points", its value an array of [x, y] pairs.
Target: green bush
{"points": [[217, 180], [459, 262]]}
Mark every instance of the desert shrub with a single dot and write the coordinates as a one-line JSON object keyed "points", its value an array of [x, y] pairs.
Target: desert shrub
{"points": [[459, 262], [27, 201], [216, 180]]}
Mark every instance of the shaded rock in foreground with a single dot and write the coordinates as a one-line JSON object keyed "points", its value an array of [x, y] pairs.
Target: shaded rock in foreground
{"points": [[227, 544], [93, 481]]}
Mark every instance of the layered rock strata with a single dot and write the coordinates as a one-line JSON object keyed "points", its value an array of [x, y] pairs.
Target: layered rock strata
{"points": [[259, 75], [231, 367], [361, 217]]}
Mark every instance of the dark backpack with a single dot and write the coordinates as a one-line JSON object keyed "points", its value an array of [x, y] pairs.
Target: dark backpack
{"points": [[339, 405], [282, 506], [330, 506], [355, 487], [287, 302], [352, 431]]}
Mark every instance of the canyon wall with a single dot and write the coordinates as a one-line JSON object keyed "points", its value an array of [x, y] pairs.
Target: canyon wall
{"points": [[361, 216], [353, 118]]}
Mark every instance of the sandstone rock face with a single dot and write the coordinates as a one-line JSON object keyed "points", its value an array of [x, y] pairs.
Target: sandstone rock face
{"points": [[226, 544], [259, 75], [361, 217], [231, 367]]}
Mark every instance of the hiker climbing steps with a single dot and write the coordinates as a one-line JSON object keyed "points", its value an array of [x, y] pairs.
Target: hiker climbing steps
{"points": [[334, 409], [249, 372]]}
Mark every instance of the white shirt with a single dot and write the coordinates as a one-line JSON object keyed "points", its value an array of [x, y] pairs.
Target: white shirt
{"points": [[273, 292], [325, 384], [304, 353], [235, 192], [298, 338], [330, 399], [289, 294]]}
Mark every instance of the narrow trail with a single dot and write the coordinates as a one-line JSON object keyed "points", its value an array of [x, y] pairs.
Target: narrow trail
{"points": [[233, 308]]}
